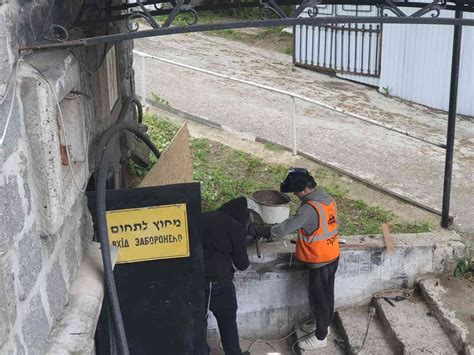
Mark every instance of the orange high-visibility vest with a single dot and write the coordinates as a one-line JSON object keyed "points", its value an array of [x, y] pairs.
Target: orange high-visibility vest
{"points": [[322, 245]]}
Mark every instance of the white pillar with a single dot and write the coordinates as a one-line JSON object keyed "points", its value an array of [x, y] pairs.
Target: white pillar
{"points": [[144, 94], [293, 123]]}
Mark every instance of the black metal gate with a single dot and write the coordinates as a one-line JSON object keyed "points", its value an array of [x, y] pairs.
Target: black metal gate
{"points": [[349, 48]]}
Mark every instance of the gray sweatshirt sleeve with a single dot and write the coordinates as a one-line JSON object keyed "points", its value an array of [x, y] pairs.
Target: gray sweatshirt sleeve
{"points": [[304, 218]]}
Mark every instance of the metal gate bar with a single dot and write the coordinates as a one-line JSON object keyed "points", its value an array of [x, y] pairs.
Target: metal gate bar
{"points": [[351, 48]]}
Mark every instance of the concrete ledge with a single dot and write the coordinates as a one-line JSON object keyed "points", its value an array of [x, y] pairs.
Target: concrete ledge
{"points": [[432, 290], [272, 294], [74, 333]]}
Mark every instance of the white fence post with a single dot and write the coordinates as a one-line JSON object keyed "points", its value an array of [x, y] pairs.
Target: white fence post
{"points": [[293, 123], [144, 81]]}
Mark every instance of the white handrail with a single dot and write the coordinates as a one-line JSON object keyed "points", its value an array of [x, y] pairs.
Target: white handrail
{"points": [[291, 95]]}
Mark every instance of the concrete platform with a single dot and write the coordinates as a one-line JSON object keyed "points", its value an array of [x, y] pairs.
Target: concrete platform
{"points": [[273, 293], [353, 324], [256, 347], [450, 301], [412, 328]]}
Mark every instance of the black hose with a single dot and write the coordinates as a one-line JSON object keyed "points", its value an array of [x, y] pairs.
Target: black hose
{"points": [[102, 231], [108, 134]]}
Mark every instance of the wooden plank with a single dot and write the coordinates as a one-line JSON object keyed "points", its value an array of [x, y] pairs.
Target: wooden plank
{"points": [[174, 165], [361, 246], [387, 238]]}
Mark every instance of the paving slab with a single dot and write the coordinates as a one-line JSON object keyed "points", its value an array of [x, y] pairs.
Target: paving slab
{"points": [[450, 301], [353, 323], [401, 164], [412, 327]]}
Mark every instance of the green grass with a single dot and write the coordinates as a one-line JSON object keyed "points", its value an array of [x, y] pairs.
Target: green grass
{"points": [[226, 173], [273, 147]]}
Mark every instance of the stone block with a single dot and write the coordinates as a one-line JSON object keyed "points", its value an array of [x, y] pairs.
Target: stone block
{"points": [[12, 213], [20, 349], [73, 255], [4, 60], [87, 229], [53, 183], [26, 181], [15, 127], [35, 327], [4, 314], [76, 234], [56, 290], [30, 261], [49, 242]]}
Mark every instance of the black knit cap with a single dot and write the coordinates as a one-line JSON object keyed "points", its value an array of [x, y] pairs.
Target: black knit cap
{"points": [[297, 180]]}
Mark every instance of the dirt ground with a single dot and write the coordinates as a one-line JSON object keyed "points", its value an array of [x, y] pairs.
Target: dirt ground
{"points": [[355, 190]]}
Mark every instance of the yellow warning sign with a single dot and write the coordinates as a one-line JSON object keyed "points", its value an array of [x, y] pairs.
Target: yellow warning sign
{"points": [[149, 233]]}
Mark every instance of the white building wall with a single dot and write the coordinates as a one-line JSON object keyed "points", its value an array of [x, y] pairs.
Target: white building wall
{"points": [[416, 64], [415, 61]]}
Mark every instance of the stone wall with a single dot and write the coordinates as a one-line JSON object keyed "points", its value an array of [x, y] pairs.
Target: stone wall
{"points": [[45, 226]]}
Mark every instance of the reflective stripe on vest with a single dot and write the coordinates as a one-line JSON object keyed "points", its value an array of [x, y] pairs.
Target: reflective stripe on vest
{"points": [[322, 244]]}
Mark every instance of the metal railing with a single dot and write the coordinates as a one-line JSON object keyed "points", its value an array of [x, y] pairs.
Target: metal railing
{"points": [[292, 96]]}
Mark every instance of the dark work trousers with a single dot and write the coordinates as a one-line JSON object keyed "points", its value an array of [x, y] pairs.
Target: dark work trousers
{"points": [[223, 304], [321, 296]]}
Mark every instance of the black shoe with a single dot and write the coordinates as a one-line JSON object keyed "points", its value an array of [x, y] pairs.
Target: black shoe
{"points": [[246, 353]]}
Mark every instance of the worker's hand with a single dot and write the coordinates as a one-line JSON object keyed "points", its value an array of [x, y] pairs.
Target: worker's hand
{"points": [[264, 232], [252, 229], [259, 230]]}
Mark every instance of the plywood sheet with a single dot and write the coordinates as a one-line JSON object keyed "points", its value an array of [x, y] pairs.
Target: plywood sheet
{"points": [[174, 165]]}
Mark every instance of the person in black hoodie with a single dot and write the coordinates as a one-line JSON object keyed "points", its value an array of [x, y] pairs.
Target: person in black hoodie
{"points": [[225, 249]]}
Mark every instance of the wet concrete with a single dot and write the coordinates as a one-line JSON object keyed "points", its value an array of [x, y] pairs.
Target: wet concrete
{"points": [[270, 197]]}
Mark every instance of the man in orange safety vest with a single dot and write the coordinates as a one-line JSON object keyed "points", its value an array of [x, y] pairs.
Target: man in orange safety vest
{"points": [[317, 245]]}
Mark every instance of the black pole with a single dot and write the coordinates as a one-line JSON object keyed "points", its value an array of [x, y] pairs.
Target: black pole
{"points": [[453, 98]]}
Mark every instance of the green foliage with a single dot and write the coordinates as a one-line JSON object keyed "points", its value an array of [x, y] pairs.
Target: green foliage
{"points": [[273, 147], [465, 264], [226, 173], [161, 132], [159, 100]]}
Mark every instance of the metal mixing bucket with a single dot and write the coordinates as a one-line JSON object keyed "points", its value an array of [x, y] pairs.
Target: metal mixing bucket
{"points": [[274, 206]]}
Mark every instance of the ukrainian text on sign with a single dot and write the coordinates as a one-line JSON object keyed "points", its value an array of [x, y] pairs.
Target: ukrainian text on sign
{"points": [[149, 233]]}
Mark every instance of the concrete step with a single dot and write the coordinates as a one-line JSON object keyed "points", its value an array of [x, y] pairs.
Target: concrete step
{"points": [[334, 344], [354, 325], [411, 326], [256, 347], [450, 301]]}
